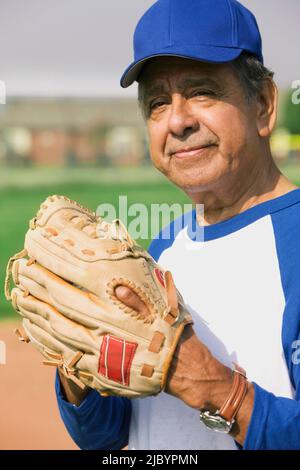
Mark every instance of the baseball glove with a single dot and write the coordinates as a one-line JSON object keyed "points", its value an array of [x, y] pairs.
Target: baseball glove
{"points": [[65, 280]]}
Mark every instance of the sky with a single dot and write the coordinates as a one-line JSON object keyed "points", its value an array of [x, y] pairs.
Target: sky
{"points": [[81, 47]]}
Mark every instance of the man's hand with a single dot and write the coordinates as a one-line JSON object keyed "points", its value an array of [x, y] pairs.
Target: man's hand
{"points": [[195, 376]]}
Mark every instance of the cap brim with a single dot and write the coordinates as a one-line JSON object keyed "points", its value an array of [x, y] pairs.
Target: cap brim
{"points": [[202, 54]]}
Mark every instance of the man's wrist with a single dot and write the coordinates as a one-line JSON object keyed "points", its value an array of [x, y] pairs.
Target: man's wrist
{"points": [[202, 382], [220, 381], [220, 390]]}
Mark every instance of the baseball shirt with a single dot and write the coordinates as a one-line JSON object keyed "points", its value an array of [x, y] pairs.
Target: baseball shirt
{"points": [[241, 283]]}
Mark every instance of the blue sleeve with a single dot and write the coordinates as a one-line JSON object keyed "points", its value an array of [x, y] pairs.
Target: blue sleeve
{"points": [[99, 423], [275, 421]]}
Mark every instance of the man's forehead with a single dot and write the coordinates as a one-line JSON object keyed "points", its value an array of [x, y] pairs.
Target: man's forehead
{"points": [[160, 71]]}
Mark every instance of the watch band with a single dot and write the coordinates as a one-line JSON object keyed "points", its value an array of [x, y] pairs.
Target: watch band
{"points": [[239, 389]]}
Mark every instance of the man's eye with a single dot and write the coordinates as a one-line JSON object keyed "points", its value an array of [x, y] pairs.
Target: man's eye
{"points": [[202, 93], [156, 104]]}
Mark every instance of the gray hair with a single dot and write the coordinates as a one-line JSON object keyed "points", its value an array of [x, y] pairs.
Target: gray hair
{"points": [[248, 69], [251, 73]]}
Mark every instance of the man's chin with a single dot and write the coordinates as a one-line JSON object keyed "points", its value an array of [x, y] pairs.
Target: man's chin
{"points": [[193, 177], [201, 174], [198, 182]]}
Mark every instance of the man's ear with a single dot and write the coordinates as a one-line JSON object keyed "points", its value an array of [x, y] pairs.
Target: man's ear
{"points": [[267, 102]]}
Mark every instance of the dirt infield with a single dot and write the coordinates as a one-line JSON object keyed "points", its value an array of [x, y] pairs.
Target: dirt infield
{"points": [[29, 414]]}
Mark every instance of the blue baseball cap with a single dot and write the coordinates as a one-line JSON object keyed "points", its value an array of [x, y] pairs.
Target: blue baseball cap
{"points": [[206, 30]]}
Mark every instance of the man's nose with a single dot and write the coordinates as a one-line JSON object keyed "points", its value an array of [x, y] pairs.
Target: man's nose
{"points": [[182, 121]]}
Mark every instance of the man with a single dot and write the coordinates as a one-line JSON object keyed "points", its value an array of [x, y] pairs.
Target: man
{"points": [[210, 108]]}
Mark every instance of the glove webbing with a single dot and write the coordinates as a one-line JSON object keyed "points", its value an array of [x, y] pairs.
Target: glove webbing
{"points": [[68, 370]]}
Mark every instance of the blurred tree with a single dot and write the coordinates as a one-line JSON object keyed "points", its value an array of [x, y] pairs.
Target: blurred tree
{"points": [[71, 158], [98, 134]]}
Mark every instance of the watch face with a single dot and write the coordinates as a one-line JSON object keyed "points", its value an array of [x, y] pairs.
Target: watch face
{"points": [[215, 422]]}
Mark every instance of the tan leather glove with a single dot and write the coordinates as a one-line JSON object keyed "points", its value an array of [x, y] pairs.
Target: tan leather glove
{"points": [[65, 282]]}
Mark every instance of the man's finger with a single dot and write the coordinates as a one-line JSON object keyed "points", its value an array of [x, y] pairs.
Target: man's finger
{"points": [[131, 299]]}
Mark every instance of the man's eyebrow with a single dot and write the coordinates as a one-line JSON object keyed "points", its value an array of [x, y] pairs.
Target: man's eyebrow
{"points": [[155, 90], [197, 81], [160, 88]]}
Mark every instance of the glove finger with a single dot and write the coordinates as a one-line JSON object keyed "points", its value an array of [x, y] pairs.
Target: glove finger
{"points": [[82, 307], [60, 355], [50, 320], [42, 340], [35, 324]]}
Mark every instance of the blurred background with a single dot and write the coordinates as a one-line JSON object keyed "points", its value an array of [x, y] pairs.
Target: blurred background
{"points": [[67, 127]]}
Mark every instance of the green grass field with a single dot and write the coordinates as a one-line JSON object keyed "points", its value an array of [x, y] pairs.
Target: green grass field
{"points": [[22, 191]]}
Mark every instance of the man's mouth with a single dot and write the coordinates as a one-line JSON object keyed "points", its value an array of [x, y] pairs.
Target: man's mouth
{"points": [[191, 151]]}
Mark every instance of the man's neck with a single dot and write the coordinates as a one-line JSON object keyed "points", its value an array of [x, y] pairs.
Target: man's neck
{"points": [[266, 184]]}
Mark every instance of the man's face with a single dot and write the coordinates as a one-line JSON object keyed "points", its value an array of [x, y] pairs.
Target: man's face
{"points": [[202, 129]]}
